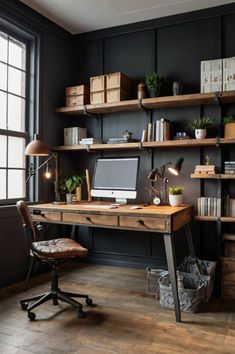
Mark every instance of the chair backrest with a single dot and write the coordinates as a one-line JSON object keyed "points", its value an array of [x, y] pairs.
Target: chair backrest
{"points": [[27, 220]]}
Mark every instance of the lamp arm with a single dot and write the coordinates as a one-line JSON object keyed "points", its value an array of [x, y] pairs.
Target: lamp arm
{"points": [[32, 172]]}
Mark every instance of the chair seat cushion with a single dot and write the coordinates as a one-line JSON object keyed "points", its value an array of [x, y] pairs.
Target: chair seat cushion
{"points": [[59, 248]]}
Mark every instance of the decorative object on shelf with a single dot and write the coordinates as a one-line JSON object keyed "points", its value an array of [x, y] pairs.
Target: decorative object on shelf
{"points": [[126, 134], [38, 148], [141, 91], [73, 135], [161, 130], [207, 159], [153, 82], [70, 184], [211, 75], [200, 126], [229, 127], [177, 88], [175, 195], [90, 141], [88, 185], [205, 169], [181, 136], [157, 176], [77, 95]]}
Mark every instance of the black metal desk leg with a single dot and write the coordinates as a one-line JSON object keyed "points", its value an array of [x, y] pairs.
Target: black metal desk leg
{"points": [[171, 263], [189, 239]]}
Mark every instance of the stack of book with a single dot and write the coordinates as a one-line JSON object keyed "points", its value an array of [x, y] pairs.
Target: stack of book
{"points": [[229, 206], [158, 131], [229, 167], [205, 169], [209, 206], [120, 140], [89, 141]]}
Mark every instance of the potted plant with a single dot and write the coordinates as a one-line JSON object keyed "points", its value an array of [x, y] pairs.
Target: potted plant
{"points": [[229, 127], [70, 184], [153, 82], [200, 126], [175, 195]]}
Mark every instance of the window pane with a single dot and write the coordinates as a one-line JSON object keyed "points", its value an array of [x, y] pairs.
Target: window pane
{"points": [[3, 76], [16, 54], [2, 184], [16, 184], [3, 110], [16, 81], [16, 147], [3, 149], [16, 113], [3, 47]]}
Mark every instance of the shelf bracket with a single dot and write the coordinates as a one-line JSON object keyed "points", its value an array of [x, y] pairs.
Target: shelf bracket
{"points": [[218, 94], [89, 114], [142, 108], [141, 147], [217, 142]]}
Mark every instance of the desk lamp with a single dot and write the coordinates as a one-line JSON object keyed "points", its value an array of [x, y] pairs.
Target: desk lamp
{"points": [[38, 148], [160, 173]]}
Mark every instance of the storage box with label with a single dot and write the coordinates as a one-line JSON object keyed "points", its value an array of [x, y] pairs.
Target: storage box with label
{"points": [[98, 97], [77, 95], [77, 90], [211, 75], [229, 74], [73, 135], [98, 83], [116, 95], [118, 80]]}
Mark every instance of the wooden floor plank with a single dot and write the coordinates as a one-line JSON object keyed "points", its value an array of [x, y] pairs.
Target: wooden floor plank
{"points": [[125, 320]]}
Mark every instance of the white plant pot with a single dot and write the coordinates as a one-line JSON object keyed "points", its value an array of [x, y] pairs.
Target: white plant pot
{"points": [[200, 133], [69, 198], [175, 200]]}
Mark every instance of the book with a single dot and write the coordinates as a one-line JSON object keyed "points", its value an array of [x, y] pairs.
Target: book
{"points": [[149, 132]]}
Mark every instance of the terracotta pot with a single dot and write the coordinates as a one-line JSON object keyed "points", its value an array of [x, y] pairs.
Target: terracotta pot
{"points": [[175, 200], [200, 133], [229, 131]]}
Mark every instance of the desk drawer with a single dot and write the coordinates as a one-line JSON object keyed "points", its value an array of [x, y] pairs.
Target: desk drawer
{"points": [[155, 223], [91, 219], [47, 216]]}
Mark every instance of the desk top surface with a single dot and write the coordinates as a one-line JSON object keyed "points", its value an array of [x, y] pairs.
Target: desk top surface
{"points": [[122, 209]]}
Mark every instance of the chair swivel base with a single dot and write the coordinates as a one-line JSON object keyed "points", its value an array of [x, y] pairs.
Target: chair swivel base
{"points": [[55, 295]]}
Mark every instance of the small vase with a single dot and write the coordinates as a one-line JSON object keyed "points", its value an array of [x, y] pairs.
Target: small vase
{"points": [[200, 133], [175, 200], [79, 193], [69, 198]]}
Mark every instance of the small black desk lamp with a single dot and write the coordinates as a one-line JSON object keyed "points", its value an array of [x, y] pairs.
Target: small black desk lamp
{"points": [[160, 173], [38, 148]]}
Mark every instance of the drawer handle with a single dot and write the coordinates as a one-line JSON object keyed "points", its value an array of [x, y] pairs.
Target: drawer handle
{"points": [[140, 222], [88, 219]]}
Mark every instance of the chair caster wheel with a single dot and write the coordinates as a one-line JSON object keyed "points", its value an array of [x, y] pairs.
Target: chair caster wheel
{"points": [[24, 306], [31, 316], [88, 301], [81, 314]]}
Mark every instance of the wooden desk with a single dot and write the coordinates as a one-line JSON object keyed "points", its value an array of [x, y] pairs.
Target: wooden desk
{"points": [[160, 219]]}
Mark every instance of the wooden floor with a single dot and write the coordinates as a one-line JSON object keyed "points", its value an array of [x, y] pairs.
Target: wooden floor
{"points": [[125, 320]]}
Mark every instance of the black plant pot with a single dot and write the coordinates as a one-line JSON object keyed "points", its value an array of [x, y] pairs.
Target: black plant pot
{"points": [[153, 92]]}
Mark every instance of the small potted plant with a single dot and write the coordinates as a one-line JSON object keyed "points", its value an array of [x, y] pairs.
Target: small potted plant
{"points": [[229, 127], [175, 195], [70, 184], [153, 82], [200, 126]]}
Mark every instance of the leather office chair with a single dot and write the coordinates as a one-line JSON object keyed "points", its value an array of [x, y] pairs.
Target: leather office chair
{"points": [[53, 252]]}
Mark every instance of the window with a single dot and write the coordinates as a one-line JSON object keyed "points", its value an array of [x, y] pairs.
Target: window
{"points": [[12, 118]]}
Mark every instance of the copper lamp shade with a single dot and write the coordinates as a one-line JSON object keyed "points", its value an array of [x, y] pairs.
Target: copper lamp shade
{"points": [[37, 147]]}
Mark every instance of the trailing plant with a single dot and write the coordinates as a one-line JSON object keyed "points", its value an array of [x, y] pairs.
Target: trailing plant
{"points": [[175, 190], [202, 123], [69, 183], [153, 81], [228, 119]]}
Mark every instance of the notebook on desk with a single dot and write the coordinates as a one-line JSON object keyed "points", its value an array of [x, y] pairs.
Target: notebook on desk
{"points": [[97, 206]]}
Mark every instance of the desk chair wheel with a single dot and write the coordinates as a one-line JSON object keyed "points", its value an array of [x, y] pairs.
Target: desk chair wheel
{"points": [[31, 316], [24, 306], [81, 314], [88, 301]]}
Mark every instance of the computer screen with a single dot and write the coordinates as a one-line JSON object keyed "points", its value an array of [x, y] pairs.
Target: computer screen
{"points": [[115, 177]]}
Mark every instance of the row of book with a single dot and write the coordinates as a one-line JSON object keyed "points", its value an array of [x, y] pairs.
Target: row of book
{"points": [[158, 131], [229, 167], [209, 206], [229, 206]]}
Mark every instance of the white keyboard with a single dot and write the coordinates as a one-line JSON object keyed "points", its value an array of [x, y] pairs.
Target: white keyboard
{"points": [[95, 206]]}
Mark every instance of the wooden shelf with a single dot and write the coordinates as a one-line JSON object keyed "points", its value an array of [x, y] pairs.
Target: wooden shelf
{"points": [[96, 147], [181, 143], [210, 176], [151, 103], [214, 218]]}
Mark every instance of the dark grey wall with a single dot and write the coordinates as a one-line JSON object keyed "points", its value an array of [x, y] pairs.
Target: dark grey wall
{"points": [[174, 47], [56, 67]]}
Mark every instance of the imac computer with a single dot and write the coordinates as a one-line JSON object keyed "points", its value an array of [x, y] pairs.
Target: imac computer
{"points": [[115, 178]]}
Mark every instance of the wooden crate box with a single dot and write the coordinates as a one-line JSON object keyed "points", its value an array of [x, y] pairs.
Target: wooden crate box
{"points": [[211, 75], [98, 83], [78, 100], [116, 95], [98, 97], [229, 74], [77, 90], [118, 80]]}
